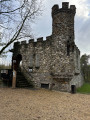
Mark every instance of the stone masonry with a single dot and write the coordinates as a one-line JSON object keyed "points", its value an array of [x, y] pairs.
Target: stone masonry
{"points": [[55, 62]]}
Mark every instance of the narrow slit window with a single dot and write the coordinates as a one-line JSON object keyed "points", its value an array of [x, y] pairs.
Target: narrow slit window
{"points": [[31, 61], [73, 48], [68, 48], [37, 61]]}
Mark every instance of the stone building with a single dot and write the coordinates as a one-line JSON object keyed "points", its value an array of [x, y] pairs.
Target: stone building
{"points": [[55, 62]]}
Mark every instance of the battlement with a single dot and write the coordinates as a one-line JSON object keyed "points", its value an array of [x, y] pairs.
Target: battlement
{"points": [[65, 8], [40, 39], [23, 42], [16, 43], [32, 41], [65, 5], [55, 8], [72, 7], [48, 37]]}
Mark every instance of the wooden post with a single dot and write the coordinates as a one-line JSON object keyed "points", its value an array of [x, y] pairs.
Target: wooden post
{"points": [[14, 74], [14, 79]]}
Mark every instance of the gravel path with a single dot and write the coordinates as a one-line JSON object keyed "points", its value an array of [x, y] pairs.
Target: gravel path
{"points": [[24, 104]]}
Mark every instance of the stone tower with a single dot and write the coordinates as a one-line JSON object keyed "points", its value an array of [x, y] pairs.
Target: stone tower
{"points": [[63, 38], [54, 63], [63, 21]]}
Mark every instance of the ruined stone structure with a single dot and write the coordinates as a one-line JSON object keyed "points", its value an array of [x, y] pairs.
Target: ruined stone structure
{"points": [[55, 62]]}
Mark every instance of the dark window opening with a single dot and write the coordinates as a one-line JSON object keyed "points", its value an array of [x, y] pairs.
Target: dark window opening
{"points": [[46, 86], [73, 48], [68, 48]]}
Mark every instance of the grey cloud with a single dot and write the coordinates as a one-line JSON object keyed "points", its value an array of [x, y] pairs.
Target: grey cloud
{"points": [[83, 35], [43, 27]]}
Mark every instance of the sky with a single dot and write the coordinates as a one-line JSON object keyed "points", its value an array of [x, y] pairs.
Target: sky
{"points": [[43, 26]]}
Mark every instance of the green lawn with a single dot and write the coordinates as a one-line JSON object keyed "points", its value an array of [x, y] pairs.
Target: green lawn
{"points": [[84, 89]]}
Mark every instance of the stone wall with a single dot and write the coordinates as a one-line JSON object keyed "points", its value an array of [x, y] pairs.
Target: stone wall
{"points": [[55, 61]]}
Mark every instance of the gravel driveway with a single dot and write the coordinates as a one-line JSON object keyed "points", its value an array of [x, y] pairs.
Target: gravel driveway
{"points": [[24, 104]]}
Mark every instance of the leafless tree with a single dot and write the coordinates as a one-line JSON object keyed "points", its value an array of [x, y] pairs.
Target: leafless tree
{"points": [[16, 17]]}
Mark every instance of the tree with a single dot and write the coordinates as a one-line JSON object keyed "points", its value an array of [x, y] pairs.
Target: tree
{"points": [[85, 65], [16, 17]]}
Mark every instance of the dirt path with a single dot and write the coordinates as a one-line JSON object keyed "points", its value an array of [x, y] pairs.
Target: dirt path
{"points": [[23, 104]]}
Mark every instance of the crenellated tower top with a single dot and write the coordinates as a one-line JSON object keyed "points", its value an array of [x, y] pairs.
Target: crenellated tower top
{"points": [[65, 8], [63, 20]]}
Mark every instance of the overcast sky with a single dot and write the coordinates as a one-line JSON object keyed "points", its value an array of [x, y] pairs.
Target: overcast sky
{"points": [[43, 26]]}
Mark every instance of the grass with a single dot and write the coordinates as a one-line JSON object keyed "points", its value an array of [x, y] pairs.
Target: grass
{"points": [[84, 89]]}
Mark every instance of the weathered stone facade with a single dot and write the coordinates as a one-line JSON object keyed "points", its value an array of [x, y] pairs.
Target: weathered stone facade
{"points": [[56, 61]]}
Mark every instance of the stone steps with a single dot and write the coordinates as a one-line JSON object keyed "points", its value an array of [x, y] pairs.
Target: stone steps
{"points": [[22, 81]]}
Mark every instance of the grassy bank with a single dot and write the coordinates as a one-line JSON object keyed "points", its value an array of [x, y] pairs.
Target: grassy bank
{"points": [[84, 89]]}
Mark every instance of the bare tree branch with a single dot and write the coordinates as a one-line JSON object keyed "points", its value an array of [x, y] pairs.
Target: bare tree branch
{"points": [[18, 32], [27, 13], [12, 10], [3, 27]]}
